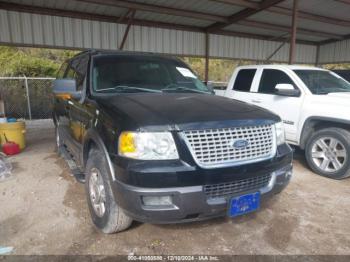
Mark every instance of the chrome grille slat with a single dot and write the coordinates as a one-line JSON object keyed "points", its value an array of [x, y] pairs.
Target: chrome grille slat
{"points": [[225, 190], [213, 147]]}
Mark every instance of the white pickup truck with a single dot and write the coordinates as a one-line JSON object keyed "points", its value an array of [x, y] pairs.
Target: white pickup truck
{"points": [[314, 105]]}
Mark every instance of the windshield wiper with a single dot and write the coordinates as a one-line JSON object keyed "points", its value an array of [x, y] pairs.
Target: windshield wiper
{"points": [[175, 88], [125, 88]]}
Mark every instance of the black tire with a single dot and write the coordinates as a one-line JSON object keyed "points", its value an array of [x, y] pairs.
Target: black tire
{"points": [[114, 218], [343, 136]]}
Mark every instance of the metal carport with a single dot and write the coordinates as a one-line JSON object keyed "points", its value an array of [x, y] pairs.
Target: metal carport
{"points": [[294, 31]]}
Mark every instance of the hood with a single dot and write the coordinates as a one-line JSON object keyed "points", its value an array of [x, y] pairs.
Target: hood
{"points": [[184, 111], [341, 95], [339, 99]]}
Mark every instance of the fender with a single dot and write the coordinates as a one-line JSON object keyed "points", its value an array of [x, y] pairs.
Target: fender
{"points": [[93, 136], [308, 126]]}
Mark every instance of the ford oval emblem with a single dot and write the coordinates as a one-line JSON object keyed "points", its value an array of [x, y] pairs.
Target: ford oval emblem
{"points": [[239, 144]]}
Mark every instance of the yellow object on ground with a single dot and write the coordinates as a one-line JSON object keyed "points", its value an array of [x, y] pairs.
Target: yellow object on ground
{"points": [[14, 132]]}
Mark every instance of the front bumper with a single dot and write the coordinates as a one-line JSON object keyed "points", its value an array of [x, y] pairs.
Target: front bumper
{"points": [[190, 203]]}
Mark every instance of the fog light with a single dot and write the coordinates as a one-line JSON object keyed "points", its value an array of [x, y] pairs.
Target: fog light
{"points": [[157, 200]]}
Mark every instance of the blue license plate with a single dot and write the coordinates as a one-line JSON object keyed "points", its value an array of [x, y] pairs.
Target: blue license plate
{"points": [[244, 204]]}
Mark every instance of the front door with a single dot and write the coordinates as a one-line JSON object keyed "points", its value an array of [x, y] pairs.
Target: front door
{"points": [[288, 108]]}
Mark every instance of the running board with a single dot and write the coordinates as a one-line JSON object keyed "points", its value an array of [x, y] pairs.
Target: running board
{"points": [[80, 177]]}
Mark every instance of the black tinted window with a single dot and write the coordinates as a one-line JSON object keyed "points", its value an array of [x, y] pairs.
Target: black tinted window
{"points": [[112, 74], [70, 73], [270, 78], [77, 70], [323, 82], [244, 80]]}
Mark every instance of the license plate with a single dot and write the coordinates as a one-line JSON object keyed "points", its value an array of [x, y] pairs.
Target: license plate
{"points": [[244, 204]]}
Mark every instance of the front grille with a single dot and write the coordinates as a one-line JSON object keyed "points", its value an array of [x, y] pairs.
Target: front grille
{"points": [[214, 147], [229, 189]]}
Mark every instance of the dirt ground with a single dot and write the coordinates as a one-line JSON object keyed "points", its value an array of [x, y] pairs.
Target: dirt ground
{"points": [[43, 211]]}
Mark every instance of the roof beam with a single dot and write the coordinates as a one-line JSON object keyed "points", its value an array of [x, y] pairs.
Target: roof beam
{"points": [[242, 15], [309, 16], [286, 11], [126, 33], [281, 28], [91, 16], [293, 37], [158, 9], [344, 1], [242, 3], [329, 41], [262, 37]]}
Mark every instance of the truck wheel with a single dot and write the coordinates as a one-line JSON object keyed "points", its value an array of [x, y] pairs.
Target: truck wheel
{"points": [[105, 213], [328, 153]]}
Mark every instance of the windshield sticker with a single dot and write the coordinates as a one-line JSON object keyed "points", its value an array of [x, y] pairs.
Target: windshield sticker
{"points": [[185, 72]]}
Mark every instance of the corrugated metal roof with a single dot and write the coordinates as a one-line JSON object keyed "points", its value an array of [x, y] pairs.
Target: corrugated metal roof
{"points": [[205, 6], [73, 6], [278, 19], [51, 31], [335, 52], [245, 48], [171, 19], [254, 30], [329, 8], [25, 28]]}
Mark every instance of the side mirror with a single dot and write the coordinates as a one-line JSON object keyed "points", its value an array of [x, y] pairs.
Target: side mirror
{"points": [[286, 90], [66, 88], [210, 87]]}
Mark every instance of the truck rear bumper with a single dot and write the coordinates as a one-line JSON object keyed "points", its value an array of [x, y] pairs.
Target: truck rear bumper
{"points": [[188, 203]]}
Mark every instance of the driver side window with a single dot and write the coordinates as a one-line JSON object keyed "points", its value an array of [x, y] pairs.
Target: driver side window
{"points": [[77, 70], [272, 77]]}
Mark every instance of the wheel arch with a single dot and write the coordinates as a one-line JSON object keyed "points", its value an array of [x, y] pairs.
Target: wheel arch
{"points": [[92, 139], [314, 123]]}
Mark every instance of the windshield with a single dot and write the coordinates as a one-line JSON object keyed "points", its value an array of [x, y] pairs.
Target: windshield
{"points": [[134, 74], [323, 82]]}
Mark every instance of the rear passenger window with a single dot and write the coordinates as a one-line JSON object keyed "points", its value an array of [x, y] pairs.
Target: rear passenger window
{"points": [[244, 80], [270, 78]]}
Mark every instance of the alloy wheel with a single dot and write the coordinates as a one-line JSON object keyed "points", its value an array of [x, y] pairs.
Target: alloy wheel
{"points": [[328, 154], [97, 192]]}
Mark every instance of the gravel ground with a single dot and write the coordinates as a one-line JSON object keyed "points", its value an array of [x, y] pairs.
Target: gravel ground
{"points": [[43, 211]]}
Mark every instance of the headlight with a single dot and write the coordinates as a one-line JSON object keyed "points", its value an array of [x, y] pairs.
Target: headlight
{"points": [[147, 146], [280, 133]]}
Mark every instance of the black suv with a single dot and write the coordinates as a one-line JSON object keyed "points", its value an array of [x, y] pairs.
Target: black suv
{"points": [[154, 144]]}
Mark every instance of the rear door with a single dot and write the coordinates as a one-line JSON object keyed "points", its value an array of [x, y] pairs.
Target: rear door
{"points": [[241, 85], [288, 108]]}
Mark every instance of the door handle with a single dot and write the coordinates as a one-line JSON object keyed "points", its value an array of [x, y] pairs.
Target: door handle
{"points": [[256, 101]]}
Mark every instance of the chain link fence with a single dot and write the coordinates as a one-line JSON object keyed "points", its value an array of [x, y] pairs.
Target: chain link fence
{"points": [[31, 98], [27, 97]]}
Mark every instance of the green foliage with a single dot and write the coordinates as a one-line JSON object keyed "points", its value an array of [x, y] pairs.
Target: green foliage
{"points": [[220, 70], [336, 66], [31, 62]]}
